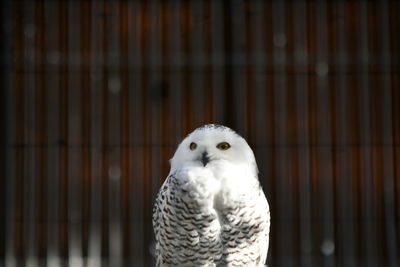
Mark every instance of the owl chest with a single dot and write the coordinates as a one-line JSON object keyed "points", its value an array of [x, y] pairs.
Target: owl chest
{"points": [[196, 232], [215, 223]]}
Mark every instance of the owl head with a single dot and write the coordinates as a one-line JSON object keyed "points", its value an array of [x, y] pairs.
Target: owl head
{"points": [[212, 145]]}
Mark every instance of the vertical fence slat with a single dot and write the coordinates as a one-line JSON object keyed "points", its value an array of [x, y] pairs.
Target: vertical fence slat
{"points": [[123, 28], [105, 141], [283, 186], [257, 69], [217, 60], [284, 106], [41, 135], [387, 141], [30, 166], [175, 62], [395, 85], [114, 134], [145, 102], [63, 226], [345, 196], [75, 59], [301, 61], [3, 140], [53, 57], [86, 123], [197, 61], [9, 135], [137, 187], [323, 136], [227, 51], [96, 62], [368, 207], [238, 67]]}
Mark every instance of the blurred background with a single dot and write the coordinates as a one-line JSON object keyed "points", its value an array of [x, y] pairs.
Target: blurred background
{"points": [[96, 96]]}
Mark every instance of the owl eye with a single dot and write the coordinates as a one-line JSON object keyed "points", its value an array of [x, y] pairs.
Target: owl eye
{"points": [[223, 146], [193, 146]]}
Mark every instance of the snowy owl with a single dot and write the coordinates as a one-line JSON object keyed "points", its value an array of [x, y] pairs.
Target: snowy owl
{"points": [[211, 210]]}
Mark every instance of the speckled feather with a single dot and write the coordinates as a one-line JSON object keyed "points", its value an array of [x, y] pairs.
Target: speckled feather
{"points": [[211, 215]]}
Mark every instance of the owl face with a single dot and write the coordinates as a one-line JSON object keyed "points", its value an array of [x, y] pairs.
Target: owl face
{"points": [[211, 145]]}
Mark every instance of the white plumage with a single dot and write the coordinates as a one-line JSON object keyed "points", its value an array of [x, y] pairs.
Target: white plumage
{"points": [[211, 210]]}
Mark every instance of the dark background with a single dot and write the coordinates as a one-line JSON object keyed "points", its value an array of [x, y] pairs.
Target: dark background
{"points": [[96, 95]]}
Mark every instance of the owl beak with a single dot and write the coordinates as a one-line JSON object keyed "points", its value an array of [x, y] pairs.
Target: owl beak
{"points": [[205, 158]]}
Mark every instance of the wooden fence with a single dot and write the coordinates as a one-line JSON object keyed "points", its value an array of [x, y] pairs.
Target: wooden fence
{"points": [[96, 96]]}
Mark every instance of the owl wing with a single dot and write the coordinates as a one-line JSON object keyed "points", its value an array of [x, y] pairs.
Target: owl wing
{"points": [[158, 207], [245, 234], [266, 223], [186, 232]]}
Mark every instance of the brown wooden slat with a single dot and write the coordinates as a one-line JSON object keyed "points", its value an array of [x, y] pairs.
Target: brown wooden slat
{"points": [[105, 145], [125, 133], [3, 157], [64, 142], [19, 133], [86, 108], [41, 134]]}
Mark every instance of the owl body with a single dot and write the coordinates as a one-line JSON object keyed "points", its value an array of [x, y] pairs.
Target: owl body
{"points": [[212, 212]]}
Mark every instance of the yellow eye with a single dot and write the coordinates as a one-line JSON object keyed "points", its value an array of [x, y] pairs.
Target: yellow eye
{"points": [[192, 146], [223, 146]]}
